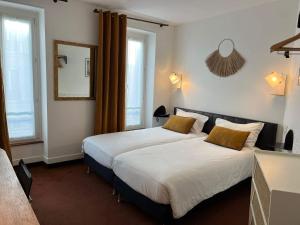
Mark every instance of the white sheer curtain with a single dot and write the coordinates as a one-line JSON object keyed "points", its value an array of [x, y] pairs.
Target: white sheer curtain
{"points": [[134, 83], [18, 75]]}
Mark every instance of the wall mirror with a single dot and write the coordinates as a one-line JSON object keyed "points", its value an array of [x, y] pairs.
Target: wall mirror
{"points": [[74, 70]]}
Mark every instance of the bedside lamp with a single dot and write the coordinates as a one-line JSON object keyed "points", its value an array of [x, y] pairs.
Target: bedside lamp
{"points": [[277, 83], [176, 79]]}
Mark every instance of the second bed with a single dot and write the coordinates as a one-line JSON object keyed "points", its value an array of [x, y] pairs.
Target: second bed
{"points": [[168, 180], [184, 173]]}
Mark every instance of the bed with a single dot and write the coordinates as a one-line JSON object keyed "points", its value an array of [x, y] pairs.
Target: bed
{"points": [[194, 171], [100, 150], [184, 173]]}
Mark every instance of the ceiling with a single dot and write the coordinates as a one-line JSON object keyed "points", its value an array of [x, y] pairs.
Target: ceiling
{"points": [[177, 11]]}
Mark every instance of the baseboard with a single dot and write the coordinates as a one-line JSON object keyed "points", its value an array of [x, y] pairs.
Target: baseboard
{"points": [[49, 160], [29, 160], [62, 158]]}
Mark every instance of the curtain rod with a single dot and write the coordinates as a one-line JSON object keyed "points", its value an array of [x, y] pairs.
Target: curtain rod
{"points": [[141, 20]]}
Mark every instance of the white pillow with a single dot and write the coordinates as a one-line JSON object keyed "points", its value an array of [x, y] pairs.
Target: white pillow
{"points": [[253, 128], [199, 123]]}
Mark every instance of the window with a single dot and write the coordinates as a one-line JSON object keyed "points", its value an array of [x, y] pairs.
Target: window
{"points": [[135, 81], [18, 45]]}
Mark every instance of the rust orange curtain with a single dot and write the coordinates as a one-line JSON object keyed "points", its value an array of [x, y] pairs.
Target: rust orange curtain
{"points": [[111, 66], [4, 138]]}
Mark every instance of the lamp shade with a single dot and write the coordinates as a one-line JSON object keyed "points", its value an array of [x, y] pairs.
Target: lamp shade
{"points": [[174, 78], [274, 79]]}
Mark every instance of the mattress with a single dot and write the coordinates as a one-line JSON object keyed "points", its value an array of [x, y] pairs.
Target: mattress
{"points": [[183, 173], [103, 148]]}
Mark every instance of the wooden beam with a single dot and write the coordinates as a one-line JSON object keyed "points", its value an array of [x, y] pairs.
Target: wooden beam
{"points": [[284, 49], [279, 46]]}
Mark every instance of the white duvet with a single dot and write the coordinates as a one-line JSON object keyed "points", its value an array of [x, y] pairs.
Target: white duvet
{"points": [[103, 148], [183, 173]]}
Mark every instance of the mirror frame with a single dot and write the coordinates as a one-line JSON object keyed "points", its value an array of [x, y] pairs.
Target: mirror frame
{"points": [[93, 51]]}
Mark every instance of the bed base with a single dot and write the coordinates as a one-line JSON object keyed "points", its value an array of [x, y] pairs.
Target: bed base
{"points": [[161, 212], [94, 166]]}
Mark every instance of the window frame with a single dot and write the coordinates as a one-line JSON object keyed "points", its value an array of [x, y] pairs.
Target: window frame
{"points": [[33, 17], [133, 34]]}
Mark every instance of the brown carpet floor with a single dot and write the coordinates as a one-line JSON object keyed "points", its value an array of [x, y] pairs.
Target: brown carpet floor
{"points": [[66, 195]]}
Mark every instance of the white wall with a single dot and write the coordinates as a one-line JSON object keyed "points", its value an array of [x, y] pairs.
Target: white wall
{"points": [[69, 122], [244, 94], [291, 116]]}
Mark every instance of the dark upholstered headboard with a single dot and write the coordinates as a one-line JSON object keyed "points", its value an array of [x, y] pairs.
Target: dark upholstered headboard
{"points": [[266, 139]]}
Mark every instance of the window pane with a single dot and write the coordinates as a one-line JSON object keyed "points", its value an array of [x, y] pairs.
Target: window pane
{"points": [[134, 83], [18, 77], [133, 116]]}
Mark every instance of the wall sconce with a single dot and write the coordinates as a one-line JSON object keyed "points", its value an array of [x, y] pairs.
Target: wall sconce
{"points": [[277, 83], [176, 79]]}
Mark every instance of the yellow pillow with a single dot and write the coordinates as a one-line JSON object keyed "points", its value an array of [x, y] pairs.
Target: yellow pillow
{"points": [[180, 124], [228, 138]]}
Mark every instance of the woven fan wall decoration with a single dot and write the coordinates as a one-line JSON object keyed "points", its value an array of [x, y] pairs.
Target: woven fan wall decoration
{"points": [[225, 66]]}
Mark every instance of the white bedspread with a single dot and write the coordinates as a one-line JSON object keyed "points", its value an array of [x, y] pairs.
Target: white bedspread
{"points": [[103, 148], [183, 173]]}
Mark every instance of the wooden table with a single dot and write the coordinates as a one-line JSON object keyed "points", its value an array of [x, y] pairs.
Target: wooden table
{"points": [[15, 208]]}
